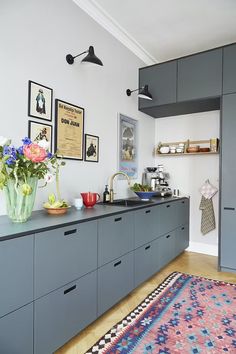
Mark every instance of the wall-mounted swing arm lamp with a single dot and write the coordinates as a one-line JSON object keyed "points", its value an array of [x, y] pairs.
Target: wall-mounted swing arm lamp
{"points": [[143, 92], [89, 58]]}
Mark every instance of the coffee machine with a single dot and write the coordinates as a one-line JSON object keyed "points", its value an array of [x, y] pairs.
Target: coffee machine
{"points": [[156, 178]]}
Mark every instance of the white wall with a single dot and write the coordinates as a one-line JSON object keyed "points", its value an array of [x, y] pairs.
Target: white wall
{"points": [[188, 173], [35, 38]]}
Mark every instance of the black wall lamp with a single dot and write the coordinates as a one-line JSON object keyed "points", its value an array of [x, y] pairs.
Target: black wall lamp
{"points": [[143, 92], [89, 58]]}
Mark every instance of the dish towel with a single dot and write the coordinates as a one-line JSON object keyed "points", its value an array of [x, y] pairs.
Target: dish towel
{"points": [[208, 216]]}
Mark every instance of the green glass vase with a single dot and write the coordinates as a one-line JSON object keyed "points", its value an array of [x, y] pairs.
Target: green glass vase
{"points": [[20, 206]]}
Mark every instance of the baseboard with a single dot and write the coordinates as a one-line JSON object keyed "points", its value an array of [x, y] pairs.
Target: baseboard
{"points": [[204, 248]]}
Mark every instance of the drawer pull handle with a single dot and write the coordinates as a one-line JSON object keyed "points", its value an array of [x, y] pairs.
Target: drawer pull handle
{"points": [[117, 263], [146, 248], [118, 219], [182, 228], [167, 236], [168, 206], [69, 232], [227, 208], [69, 289], [148, 211]]}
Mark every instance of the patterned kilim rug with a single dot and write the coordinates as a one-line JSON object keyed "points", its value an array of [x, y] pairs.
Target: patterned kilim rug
{"points": [[185, 314]]}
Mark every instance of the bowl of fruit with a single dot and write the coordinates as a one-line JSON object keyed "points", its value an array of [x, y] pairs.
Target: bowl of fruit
{"points": [[143, 191]]}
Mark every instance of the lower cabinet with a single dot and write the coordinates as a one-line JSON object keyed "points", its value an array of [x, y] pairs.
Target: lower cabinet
{"points": [[166, 248], [146, 262], [63, 313], [181, 239], [115, 280], [16, 331]]}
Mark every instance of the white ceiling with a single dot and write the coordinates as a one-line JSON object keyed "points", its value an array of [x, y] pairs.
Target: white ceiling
{"points": [[167, 29]]}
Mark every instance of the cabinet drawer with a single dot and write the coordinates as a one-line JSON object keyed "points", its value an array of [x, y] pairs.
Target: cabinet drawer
{"points": [[115, 237], [63, 313], [16, 273], [16, 331], [168, 217], [166, 248], [115, 280], [63, 255], [146, 225], [181, 239], [146, 262], [183, 212]]}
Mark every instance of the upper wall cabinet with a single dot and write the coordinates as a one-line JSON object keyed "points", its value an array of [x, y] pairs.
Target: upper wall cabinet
{"points": [[229, 69], [200, 76], [161, 81]]}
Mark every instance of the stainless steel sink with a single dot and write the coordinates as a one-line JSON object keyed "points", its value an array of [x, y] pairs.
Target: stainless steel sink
{"points": [[128, 202]]}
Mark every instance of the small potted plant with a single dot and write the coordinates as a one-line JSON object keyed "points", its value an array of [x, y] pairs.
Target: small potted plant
{"points": [[55, 204]]}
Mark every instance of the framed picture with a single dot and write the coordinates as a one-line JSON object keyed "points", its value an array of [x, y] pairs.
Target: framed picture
{"points": [[91, 148], [40, 131], [69, 130], [39, 101], [128, 154]]}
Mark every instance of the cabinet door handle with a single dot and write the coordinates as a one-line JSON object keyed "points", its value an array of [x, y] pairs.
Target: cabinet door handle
{"points": [[69, 289], [167, 236], [147, 247], [183, 202], [118, 219], [227, 208], [69, 232], [168, 206], [117, 263], [148, 211], [182, 228]]}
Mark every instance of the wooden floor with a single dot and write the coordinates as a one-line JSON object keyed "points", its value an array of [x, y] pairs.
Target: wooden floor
{"points": [[188, 262]]}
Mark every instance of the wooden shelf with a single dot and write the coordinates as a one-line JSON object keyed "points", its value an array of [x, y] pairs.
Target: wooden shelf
{"points": [[189, 153]]}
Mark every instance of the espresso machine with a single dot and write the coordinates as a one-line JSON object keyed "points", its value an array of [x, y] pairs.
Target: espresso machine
{"points": [[156, 178]]}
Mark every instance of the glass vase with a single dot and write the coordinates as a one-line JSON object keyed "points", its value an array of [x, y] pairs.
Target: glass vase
{"points": [[20, 206]]}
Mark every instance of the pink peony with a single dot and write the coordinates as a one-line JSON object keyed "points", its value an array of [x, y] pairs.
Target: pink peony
{"points": [[35, 153]]}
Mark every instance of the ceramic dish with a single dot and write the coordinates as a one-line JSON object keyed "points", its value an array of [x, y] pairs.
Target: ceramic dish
{"points": [[145, 195], [57, 211]]}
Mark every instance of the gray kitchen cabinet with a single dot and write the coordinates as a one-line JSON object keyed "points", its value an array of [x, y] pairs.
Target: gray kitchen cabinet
{"points": [[166, 248], [181, 239], [229, 69], [115, 280], [16, 331], [146, 262], [183, 212], [146, 223], [115, 237], [228, 192], [168, 213], [63, 255], [63, 313], [161, 81], [16, 273], [200, 76], [228, 239]]}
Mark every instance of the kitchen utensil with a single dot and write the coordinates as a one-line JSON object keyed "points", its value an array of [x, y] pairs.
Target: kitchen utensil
{"points": [[164, 150], [78, 203], [57, 211], [90, 199], [195, 148], [204, 149], [145, 195]]}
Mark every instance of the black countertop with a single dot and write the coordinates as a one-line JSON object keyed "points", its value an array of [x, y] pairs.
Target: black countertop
{"points": [[41, 221]]}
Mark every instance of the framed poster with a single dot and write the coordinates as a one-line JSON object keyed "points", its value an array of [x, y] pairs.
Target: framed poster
{"points": [[69, 130], [40, 131], [39, 101], [91, 148], [128, 157]]}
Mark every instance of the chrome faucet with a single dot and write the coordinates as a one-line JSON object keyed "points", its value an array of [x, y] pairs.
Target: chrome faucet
{"points": [[111, 184]]}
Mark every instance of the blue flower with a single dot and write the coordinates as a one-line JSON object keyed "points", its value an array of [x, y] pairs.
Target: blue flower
{"points": [[7, 151], [225, 321], [26, 141], [10, 161], [230, 332], [174, 322], [13, 153], [161, 338], [20, 150], [49, 155], [188, 317]]}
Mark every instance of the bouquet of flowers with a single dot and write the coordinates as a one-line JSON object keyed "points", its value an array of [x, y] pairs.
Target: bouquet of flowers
{"points": [[20, 170]]}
